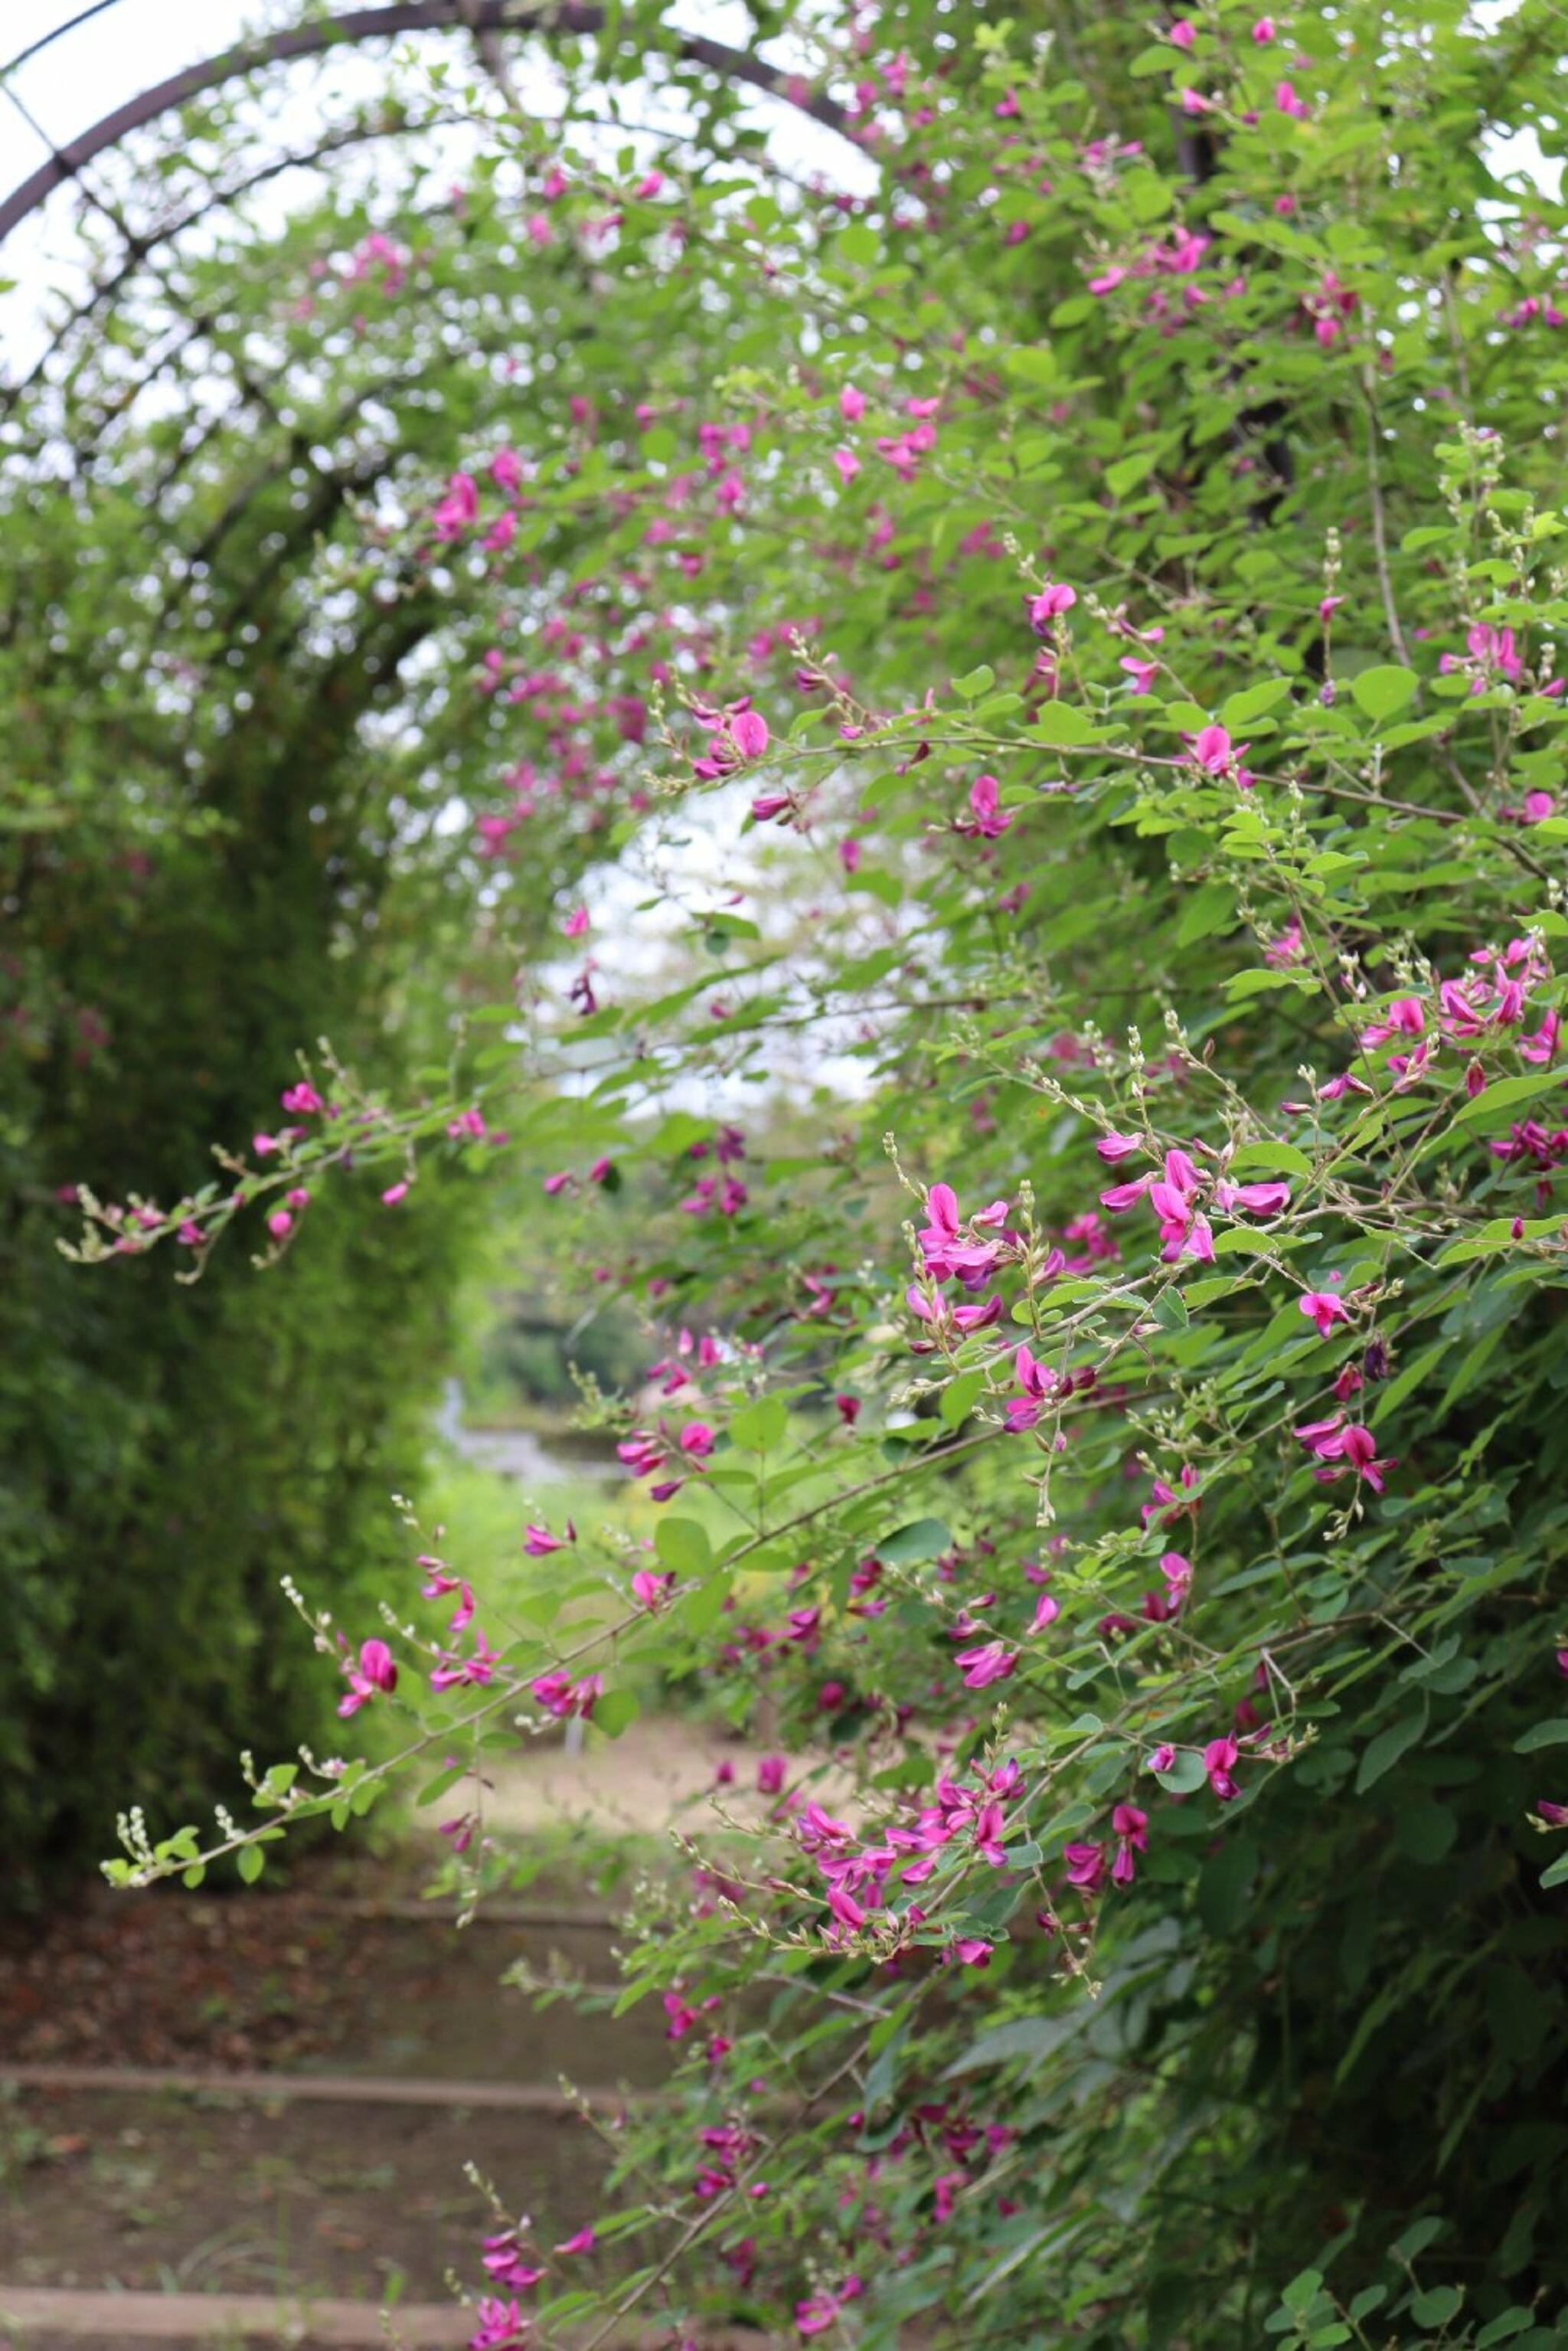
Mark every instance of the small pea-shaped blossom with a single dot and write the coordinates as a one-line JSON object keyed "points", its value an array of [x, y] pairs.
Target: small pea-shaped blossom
{"points": [[1047, 1609], [1348, 1446], [375, 1669], [944, 1253], [1129, 1826], [1037, 1381], [1252, 1199], [1219, 1758], [1212, 750], [992, 1662], [1323, 1309], [1085, 1866], [1054, 601], [988, 819], [538, 1541]]}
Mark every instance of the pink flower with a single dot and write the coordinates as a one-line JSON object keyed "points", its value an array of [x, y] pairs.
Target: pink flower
{"points": [[1219, 1761], [1183, 33], [696, 1440], [583, 2243], [991, 1662], [458, 508], [1211, 750], [1053, 601], [649, 1589], [1257, 1200], [1288, 102], [1263, 31], [748, 731], [1085, 1866], [846, 464], [1346, 1442], [770, 1771], [576, 923], [1037, 1381], [479, 1670], [816, 2315], [1129, 1826], [538, 1541], [987, 819], [972, 1951], [1113, 1147], [1176, 1569], [1162, 1760], [502, 2325], [1324, 1309], [376, 1670], [394, 1195], [852, 404]]}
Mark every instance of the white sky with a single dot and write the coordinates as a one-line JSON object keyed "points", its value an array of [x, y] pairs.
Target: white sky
{"points": [[135, 43]]}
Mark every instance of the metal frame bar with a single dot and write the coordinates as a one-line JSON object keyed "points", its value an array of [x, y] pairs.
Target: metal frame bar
{"points": [[568, 17]]}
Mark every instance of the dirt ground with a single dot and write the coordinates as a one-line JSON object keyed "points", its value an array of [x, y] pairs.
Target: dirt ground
{"points": [[309, 2198]]}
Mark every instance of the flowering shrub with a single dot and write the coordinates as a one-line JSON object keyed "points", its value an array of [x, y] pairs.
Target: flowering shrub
{"points": [[1105, 1406]]}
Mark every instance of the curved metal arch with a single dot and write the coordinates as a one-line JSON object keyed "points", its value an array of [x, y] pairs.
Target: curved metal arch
{"points": [[570, 16], [215, 197]]}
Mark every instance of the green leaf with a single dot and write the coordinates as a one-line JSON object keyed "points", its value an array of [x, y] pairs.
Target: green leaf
{"points": [[1185, 1776], [1064, 722], [1128, 472], [1303, 2292], [860, 246], [616, 1711], [1436, 2306], [702, 1609], [1031, 363], [1542, 1734], [979, 681], [1507, 1093], [684, 1546], [759, 1428], [1270, 1159], [250, 1861], [1211, 909], [1416, 2239], [921, 1539], [1254, 702], [959, 1398], [1169, 1310], [1384, 1751], [1506, 2322], [1381, 691], [1225, 1882]]}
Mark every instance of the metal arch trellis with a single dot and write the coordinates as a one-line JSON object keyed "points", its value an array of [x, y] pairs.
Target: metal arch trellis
{"points": [[569, 17], [484, 20]]}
